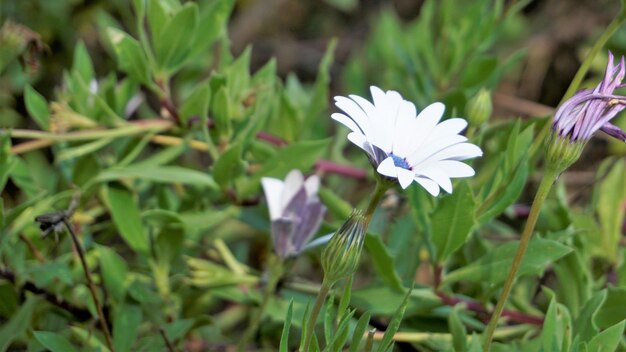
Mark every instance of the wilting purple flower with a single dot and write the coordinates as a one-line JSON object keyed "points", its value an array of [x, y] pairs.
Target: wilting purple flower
{"points": [[590, 110], [295, 211]]}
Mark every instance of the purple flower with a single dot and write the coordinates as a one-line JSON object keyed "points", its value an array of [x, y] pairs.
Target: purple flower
{"points": [[295, 211], [590, 110]]}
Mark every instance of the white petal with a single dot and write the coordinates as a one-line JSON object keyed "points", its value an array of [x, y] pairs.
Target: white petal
{"points": [[364, 104], [360, 141], [432, 113], [402, 142], [421, 128], [429, 185], [405, 177], [376, 126], [387, 168], [354, 111], [293, 183], [426, 150], [346, 121], [388, 110], [455, 169], [273, 189], [459, 151], [378, 95], [464, 151], [438, 176], [312, 185], [448, 127]]}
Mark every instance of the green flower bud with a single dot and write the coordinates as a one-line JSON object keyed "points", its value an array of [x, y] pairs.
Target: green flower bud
{"points": [[562, 152], [341, 256], [479, 108]]}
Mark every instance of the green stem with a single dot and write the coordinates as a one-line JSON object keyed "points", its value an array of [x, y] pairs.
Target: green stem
{"points": [[542, 192], [129, 130], [275, 273], [379, 192], [319, 302], [91, 286]]}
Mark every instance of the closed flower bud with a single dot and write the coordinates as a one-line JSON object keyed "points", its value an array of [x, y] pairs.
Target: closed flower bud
{"points": [[341, 256], [479, 108], [295, 210]]}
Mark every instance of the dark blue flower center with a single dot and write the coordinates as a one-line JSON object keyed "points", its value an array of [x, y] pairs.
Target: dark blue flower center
{"points": [[400, 162]]}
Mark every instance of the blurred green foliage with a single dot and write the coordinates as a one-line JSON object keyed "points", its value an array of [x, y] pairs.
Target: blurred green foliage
{"points": [[166, 135]]}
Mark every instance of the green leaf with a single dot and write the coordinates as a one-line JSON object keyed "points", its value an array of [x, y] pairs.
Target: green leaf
{"points": [[610, 209], [284, 337], [488, 269], [221, 112], [452, 221], [8, 294], [175, 40], [607, 340], [613, 310], [238, 74], [114, 272], [556, 334], [298, 155], [126, 327], [87, 338], [335, 204], [319, 100], [383, 262], [197, 104], [340, 334], [19, 323], [207, 274], [382, 300], [394, 324], [509, 175], [459, 333], [82, 64], [157, 19], [229, 165], [7, 160], [83, 149], [127, 219], [165, 174], [37, 107], [584, 326], [575, 281], [130, 56], [54, 342], [478, 71], [177, 329], [359, 331], [212, 24]]}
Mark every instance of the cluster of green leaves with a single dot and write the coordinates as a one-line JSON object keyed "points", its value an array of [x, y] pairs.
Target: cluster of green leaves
{"points": [[444, 54], [168, 149]]}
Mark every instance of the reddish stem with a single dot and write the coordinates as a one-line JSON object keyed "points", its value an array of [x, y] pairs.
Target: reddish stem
{"points": [[334, 168], [484, 314]]}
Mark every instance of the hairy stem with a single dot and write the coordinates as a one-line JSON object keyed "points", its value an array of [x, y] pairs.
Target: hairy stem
{"points": [[319, 302], [542, 192]]}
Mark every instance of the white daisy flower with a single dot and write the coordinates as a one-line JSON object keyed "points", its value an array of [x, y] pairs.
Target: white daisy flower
{"points": [[406, 145], [295, 211]]}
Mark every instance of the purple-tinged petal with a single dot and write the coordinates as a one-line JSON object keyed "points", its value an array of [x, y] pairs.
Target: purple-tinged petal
{"points": [[614, 131]]}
